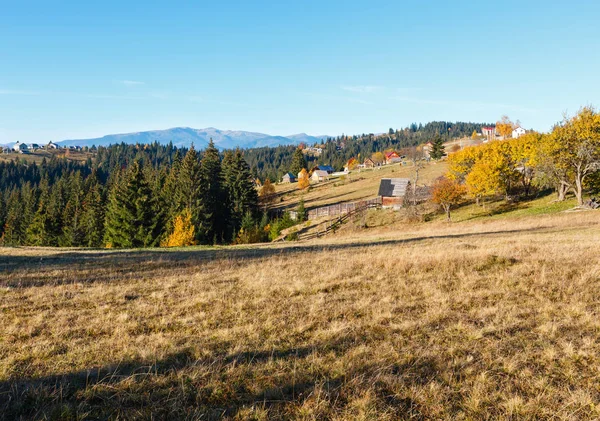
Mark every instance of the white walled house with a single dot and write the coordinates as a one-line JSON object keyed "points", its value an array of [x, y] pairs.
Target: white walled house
{"points": [[20, 147], [518, 132]]}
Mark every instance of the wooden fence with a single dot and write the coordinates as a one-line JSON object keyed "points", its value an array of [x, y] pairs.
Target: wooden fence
{"points": [[343, 208]]}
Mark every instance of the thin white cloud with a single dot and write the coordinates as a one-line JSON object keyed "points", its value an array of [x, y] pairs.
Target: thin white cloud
{"points": [[131, 82], [362, 89], [17, 92]]}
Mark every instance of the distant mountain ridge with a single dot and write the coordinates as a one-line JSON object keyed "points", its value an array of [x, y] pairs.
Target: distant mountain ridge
{"points": [[186, 136]]}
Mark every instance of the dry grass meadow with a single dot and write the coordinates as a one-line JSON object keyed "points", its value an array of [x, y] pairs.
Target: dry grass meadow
{"points": [[484, 319]]}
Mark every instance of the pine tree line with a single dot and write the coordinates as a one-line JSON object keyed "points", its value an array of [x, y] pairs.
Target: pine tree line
{"points": [[134, 204]]}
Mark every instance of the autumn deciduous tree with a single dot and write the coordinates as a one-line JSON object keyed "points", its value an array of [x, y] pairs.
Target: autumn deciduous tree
{"points": [[352, 164], [574, 146], [447, 193], [183, 233], [378, 158], [505, 127], [267, 193], [303, 180]]}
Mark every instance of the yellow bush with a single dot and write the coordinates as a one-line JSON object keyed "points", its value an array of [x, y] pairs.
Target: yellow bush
{"points": [[183, 231]]}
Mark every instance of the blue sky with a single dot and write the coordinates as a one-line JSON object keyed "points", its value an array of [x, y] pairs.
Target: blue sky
{"points": [[76, 70]]}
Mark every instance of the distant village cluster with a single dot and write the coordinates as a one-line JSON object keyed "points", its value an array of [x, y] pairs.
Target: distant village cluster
{"points": [[24, 148]]}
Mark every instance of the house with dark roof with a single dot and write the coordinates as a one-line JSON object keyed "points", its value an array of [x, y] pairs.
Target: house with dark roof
{"points": [[288, 178], [20, 147], [392, 191], [327, 168]]}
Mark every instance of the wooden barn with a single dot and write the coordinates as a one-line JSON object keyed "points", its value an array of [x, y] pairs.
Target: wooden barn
{"points": [[319, 176], [369, 163], [393, 191]]}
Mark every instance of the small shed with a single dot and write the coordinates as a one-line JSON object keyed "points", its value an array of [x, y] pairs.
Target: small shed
{"points": [[393, 191], [288, 178], [319, 176]]}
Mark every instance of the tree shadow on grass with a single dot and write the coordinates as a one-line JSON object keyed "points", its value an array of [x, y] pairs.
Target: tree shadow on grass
{"points": [[181, 386], [115, 266]]}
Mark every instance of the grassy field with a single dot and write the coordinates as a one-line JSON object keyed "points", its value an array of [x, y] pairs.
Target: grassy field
{"points": [[483, 319], [355, 186]]}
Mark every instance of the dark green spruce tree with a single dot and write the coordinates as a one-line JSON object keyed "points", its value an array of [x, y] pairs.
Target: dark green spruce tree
{"points": [[93, 215], [240, 190], [437, 148], [37, 232], [185, 183], [298, 162], [213, 218], [73, 231], [130, 221]]}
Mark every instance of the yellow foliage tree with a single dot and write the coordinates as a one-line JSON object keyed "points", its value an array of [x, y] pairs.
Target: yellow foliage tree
{"points": [[483, 180], [447, 193], [266, 196], [183, 231], [575, 149], [303, 180], [505, 127], [378, 157], [474, 135]]}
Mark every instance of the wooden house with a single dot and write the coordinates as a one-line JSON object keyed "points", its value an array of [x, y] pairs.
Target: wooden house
{"points": [[319, 176], [392, 158], [393, 191], [288, 178], [369, 163]]}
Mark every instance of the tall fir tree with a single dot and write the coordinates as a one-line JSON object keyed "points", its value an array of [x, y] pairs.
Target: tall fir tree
{"points": [[437, 148], [298, 162], [213, 219], [130, 221], [239, 185], [93, 215], [14, 230], [37, 232], [186, 184], [73, 232]]}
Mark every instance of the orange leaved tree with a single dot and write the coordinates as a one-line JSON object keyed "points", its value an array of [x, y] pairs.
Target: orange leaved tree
{"points": [[303, 180], [447, 193]]}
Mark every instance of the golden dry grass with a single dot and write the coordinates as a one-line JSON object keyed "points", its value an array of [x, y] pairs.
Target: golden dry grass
{"points": [[478, 320]]}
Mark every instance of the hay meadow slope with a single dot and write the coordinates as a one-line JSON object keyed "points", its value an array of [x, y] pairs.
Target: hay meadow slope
{"points": [[487, 319]]}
